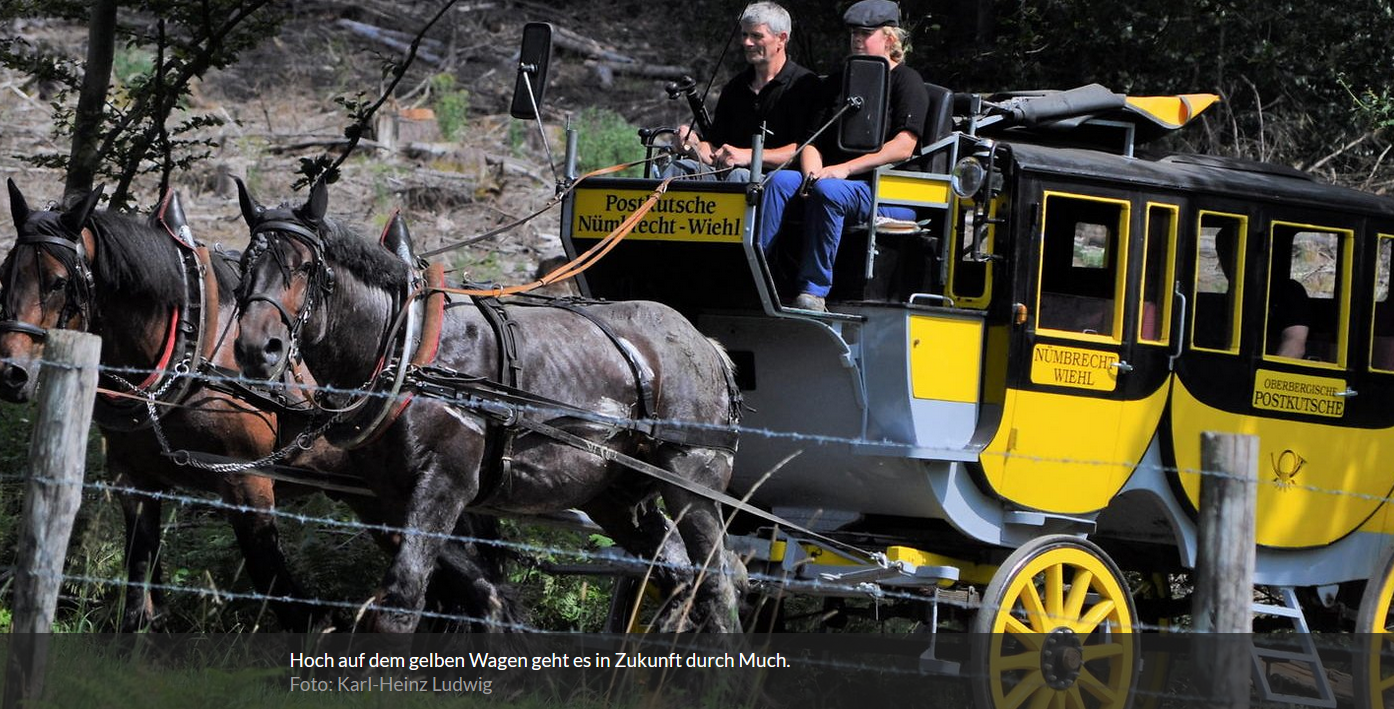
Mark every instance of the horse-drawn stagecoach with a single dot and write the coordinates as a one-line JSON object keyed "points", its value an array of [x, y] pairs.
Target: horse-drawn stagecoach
{"points": [[1003, 408], [1008, 396]]}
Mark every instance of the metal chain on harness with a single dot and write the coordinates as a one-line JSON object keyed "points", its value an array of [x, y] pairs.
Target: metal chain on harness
{"points": [[303, 441]]}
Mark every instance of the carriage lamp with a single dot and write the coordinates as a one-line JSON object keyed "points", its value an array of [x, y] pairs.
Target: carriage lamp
{"points": [[967, 177]]}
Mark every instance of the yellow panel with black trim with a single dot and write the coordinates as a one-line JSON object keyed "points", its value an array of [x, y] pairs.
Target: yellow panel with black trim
{"points": [[945, 358], [1317, 482], [1068, 454], [678, 216], [921, 190]]}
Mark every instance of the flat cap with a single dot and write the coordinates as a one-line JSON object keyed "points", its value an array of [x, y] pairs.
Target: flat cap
{"points": [[872, 13]]}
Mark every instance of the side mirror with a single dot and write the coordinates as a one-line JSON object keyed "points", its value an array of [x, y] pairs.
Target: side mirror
{"points": [[866, 90], [533, 58]]}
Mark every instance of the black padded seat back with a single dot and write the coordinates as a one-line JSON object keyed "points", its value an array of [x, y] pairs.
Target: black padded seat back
{"points": [[939, 123]]}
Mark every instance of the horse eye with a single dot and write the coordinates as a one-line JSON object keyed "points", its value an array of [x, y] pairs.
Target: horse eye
{"points": [[58, 284]]}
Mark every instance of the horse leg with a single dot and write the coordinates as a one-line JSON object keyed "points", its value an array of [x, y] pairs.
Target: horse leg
{"points": [[643, 530], [144, 606], [703, 532], [260, 542], [435, 505], [469, 579]]}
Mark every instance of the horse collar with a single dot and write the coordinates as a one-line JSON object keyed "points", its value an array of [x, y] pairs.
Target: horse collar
{"points": [[190, 335]]}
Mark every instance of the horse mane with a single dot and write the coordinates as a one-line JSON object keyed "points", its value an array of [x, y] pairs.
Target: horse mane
{"points": [[136, 258], [362, 257]]}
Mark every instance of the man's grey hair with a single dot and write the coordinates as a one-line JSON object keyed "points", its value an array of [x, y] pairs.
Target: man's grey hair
{"points": [[766, 13]]}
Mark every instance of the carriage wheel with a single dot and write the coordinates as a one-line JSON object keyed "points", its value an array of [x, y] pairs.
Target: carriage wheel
{"points": [[1055, 630], [1374, 669], [628, 595]]}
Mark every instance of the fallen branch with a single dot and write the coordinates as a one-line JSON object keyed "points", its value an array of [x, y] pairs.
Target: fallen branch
{"points": [[400, 41], [654, 71], [1339, 151], [335, 142], [567, 39]]}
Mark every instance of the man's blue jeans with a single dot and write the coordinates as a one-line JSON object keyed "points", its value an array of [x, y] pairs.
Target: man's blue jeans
{"points": [[827, 209]]}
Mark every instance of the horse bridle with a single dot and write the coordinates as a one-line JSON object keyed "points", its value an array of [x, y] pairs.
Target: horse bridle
{"points": [[72, 253], [320, 277]]}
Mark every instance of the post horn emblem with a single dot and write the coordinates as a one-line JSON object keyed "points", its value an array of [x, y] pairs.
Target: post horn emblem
{"points": [[1286, 466]]}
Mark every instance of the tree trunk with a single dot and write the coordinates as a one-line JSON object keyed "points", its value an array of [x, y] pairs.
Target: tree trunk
{"points": [[87, 122]]}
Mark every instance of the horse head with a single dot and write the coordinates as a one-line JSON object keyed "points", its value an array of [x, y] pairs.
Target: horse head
{"points": [[45, 283], [284, 278]]}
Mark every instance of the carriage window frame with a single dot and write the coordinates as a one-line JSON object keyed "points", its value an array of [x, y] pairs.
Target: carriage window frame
{"points": [[1345, 251], [1384, 269], [958, 256], [1164, 315], [1119, 259], [1236, 314]]}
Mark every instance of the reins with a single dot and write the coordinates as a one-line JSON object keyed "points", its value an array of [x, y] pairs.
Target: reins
{"points": [[581, 262]]}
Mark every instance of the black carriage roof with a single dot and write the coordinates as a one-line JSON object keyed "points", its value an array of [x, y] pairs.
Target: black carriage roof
{"points": [[1229, 177], [1046, 128]]}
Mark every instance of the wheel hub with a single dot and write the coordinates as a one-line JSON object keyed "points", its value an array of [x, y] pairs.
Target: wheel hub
{"points": [[1062, 658]]}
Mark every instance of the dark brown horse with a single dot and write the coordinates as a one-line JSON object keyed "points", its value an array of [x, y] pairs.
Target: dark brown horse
{"points": [[139, 287], [313, 287]]}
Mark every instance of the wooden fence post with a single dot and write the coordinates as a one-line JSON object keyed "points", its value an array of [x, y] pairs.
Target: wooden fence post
{"points": [[1225, 544], [57, 459]]}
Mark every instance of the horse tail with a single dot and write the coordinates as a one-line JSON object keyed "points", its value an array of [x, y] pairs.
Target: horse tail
{"points": [[733, 390]]}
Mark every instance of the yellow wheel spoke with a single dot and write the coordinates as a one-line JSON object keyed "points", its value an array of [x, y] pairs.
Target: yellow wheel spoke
{"points": [[1035, 609], [1023, 634], [1041, 698], [1098, 652], [1073, 699], [1385, 684], [1101, 610], [1091, 684], [1016, 627], [1029, 684], [1055, 595], [1079, 590], [1029, 660]]}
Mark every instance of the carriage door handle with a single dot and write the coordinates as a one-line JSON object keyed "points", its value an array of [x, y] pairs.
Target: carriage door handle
{"points": [[1348, 393], [1123, 367]]}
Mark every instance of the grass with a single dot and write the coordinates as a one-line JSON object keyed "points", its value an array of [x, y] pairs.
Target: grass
{"points": [[200, 553]]}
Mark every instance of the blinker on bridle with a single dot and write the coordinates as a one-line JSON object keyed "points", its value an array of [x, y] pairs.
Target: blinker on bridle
{"points": [[73, 255], [321, 276]]}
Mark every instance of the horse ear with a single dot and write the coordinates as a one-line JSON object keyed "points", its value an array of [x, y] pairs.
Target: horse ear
{"points": [[317, 204], [76, 216], [19, 208], [396, 239], [251, 210]]}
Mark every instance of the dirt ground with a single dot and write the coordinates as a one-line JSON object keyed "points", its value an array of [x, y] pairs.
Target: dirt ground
{"points": [[277, 106]]}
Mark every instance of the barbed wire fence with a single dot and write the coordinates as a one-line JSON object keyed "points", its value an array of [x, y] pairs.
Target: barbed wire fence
{"points": [[779, 584]]}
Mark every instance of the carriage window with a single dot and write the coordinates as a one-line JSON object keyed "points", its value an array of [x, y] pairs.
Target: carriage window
{"points": [[970, 280], [1306, 314], [1220, 250], [1382, 339], [1157, 274], [1083, 252]]}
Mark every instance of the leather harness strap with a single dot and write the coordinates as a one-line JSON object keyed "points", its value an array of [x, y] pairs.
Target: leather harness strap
{"points": [[643, 375]]}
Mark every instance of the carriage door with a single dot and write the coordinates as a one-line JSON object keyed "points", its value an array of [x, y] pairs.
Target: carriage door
{"points": [[1060, 449]]}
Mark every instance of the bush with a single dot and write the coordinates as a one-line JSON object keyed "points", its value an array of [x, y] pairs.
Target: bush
{"points": [[605, 139], [451, 105]]}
